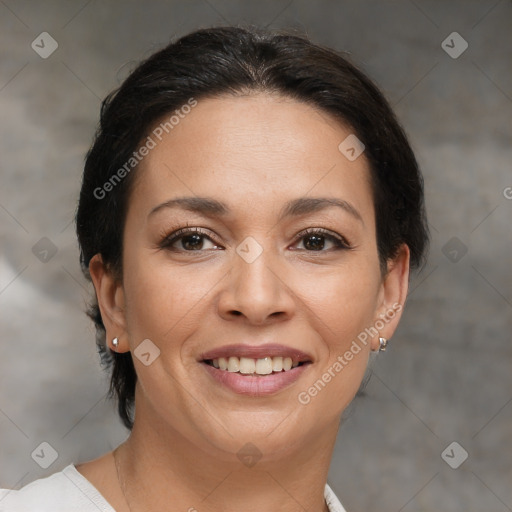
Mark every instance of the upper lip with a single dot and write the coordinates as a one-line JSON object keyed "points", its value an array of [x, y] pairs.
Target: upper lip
{"points": [[257, 352]]}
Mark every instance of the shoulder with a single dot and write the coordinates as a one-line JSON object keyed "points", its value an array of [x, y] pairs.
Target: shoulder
{"points": [[69, 490], [332, 500], [61, 492]]}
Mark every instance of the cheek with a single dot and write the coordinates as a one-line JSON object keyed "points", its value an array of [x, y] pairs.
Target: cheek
{"points": [[161, 300], [343, 306], [343, 300]]}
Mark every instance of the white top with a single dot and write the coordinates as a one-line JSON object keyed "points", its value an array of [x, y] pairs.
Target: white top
{"points": [[69, 491]]}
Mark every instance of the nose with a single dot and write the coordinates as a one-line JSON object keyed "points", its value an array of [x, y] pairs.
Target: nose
{"points": [[256, 291]]}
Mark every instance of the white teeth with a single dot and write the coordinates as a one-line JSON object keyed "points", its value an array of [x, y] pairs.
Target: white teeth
{"points": [[261, 366], [264, 366], [233, 364], [277, 364], [247, 365]]}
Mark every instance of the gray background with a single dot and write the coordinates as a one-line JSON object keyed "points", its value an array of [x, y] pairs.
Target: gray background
{"points": [[447, 375]]}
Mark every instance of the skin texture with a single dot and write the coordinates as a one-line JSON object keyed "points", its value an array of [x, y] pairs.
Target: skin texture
{"points": [[254, 153]]}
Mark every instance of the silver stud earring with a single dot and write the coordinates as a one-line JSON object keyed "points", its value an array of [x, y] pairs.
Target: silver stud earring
{"points": [[383, 343], [115, 342]]}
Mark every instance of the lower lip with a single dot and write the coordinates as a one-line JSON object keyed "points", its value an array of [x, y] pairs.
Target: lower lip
{"points": [[256, 386]]}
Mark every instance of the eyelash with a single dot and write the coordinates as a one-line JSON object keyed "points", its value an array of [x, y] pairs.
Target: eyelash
{"points": [[340, 242]]}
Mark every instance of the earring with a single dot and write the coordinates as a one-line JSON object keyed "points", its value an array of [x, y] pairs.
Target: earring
{"points": [[383, 344], [115, 342]]}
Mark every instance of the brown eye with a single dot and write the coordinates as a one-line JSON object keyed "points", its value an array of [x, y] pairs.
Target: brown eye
{"points": [[315, 240], [192, 242], [190, 239]]}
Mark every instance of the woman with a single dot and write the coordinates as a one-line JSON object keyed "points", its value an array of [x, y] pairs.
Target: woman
{"points": [[249, 213]]}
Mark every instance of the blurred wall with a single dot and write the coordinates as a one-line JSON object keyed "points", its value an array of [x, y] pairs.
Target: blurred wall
{"points": [[447, 375]]}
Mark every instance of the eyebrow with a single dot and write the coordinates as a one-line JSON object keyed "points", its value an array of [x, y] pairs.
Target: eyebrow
{"points": [[300, 206]]}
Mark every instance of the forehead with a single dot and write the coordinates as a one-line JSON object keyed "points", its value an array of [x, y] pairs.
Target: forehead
{"points": [[253, 150]]}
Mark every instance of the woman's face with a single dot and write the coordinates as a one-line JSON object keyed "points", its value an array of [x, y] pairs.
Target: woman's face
{"points": [[253, 170]]}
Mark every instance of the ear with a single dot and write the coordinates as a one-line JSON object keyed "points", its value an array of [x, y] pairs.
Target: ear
{"points": [[110, 295], [392, 296]]}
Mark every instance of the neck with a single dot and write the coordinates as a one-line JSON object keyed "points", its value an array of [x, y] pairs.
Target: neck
{"points": [[163, 470]]}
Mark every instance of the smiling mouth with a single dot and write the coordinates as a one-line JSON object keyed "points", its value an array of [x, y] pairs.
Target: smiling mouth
{"points": [[251, 367]]}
